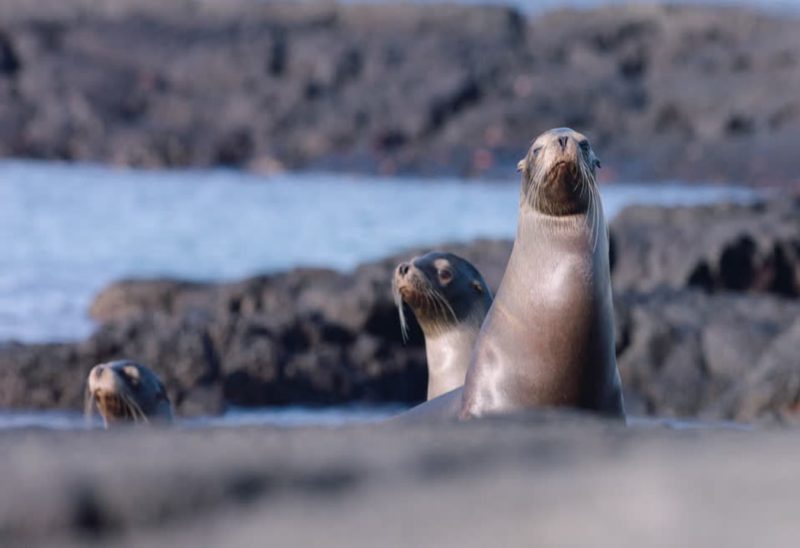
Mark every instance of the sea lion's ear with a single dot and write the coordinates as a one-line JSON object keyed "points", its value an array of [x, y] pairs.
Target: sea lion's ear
{"points": [[476, 285], [132, 372], [595, 161]]}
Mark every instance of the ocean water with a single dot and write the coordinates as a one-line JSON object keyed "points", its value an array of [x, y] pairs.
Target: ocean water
{"points": [[293, 417], [69, 230], [283, 417]]}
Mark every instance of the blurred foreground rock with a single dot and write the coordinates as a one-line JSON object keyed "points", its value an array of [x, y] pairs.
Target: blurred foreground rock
{"points": [[399, 88], [320, 337], [523, 481]]}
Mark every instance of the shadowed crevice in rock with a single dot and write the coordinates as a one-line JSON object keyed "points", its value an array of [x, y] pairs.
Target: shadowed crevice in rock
{"points": [[736, 264]]}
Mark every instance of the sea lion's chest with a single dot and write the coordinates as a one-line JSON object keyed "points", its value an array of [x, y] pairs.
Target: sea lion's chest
{"points": [[549, 280]]}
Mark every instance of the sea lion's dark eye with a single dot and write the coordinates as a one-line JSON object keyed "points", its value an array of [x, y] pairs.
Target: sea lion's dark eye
{"points": [[536, 150], [445, 275], [584, 146]]}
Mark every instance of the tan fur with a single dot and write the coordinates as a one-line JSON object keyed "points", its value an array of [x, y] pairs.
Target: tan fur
{"points": [[548, 339]]}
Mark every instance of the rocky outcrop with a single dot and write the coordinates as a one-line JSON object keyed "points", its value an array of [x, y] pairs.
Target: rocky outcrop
{"points": [[720, 350], [399, 88], [741, 248], [727, 356]]}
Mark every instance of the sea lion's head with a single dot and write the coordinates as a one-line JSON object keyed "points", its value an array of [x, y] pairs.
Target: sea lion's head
{"points": [[558, 173], [124, 391], [443, 290]]}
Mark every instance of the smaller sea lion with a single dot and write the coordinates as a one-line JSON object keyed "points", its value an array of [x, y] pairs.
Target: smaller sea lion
{"points": [[449, 298], [124, 391]]}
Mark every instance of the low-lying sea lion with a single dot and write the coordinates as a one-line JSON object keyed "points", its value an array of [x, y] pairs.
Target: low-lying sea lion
{"points": [[123, 390], [548, 339], [449, 298]]}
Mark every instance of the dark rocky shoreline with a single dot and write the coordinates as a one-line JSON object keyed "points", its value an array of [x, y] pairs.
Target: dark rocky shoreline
{"points": [[399, 89], [717, 346]]}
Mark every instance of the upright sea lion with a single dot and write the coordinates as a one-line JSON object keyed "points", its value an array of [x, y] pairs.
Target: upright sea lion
{"points": [[126, 391], [548, 339], [449, 298]]}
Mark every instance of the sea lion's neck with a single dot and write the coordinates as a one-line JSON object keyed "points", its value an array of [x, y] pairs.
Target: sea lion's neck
{"points": [[536, 228], [448, 353], [549, 249], [562, 194]]}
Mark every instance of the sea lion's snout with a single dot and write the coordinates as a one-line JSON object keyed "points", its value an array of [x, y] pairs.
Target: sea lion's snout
{"points": [[409, 283], [558, 173], [563, 152], [100, 380]]}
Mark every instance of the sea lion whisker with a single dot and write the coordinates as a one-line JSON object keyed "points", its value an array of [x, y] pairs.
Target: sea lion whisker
{"points": [[593, 217], [439, 311], [449, 308], [127, 403], [436, 299], [398, 301], [592, 220], [403, 324], [136, 408], [538, 182], [88, 405], [139, 410], [444, 306], [596, 204], [127, 410]]}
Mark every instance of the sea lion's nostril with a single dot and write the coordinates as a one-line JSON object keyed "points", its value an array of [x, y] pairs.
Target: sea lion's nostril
{"points": [[98, 371], [403, 269], [563, 142]]}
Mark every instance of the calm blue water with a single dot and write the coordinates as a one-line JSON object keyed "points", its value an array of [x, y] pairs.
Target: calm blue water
{"points": [[68, 230]]}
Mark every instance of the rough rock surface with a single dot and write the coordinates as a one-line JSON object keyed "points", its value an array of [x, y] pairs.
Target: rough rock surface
{"points": [[523, 481], [399, 88], [720, 350], [741, 248], [689, 354]]}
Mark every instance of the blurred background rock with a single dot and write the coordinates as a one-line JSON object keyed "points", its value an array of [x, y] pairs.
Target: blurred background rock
{"points": [[665, 91]]}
